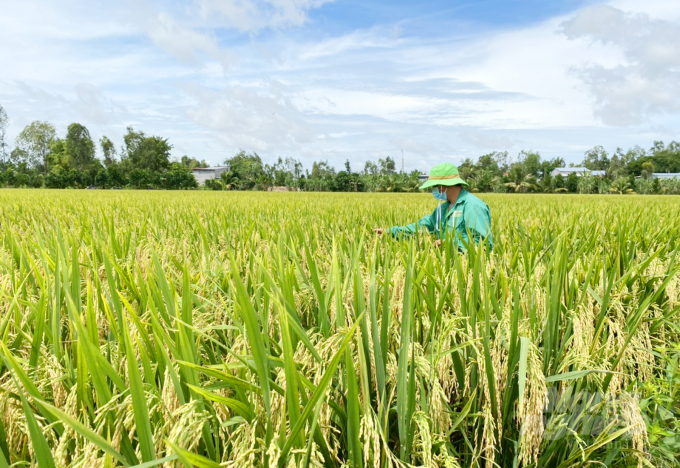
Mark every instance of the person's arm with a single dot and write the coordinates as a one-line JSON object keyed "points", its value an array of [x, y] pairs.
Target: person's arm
{"points": [[424, 223]]}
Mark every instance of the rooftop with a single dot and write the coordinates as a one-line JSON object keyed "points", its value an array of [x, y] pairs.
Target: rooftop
{"points": [[572, 169], [577, 170], [210, 168]]}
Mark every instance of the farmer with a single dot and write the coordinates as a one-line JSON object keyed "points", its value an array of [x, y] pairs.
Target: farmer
{"points": [[460, 216]]}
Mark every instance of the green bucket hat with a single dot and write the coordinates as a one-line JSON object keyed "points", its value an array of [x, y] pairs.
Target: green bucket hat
{"points": [[443, 174]]}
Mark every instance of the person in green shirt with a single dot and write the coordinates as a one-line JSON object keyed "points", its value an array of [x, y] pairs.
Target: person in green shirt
{"points": [[459, 215]]}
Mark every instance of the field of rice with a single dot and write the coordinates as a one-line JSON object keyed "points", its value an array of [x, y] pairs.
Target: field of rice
{"points": [[277, 330]]}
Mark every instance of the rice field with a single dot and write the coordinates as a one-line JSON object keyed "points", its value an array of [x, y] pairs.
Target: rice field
{"points": [[276, 330]]}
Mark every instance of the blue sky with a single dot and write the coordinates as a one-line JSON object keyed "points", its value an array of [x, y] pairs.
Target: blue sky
{"points": [[324, 80]]}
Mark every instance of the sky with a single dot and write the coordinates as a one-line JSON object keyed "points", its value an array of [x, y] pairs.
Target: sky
{"points": [[349, 80]]}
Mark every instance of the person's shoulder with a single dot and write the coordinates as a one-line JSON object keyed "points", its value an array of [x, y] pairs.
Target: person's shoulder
{"points": [[473, 200]]}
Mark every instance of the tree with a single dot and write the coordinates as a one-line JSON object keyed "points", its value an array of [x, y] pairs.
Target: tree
{"points": [[370, 168], [4, 122], [617, 165], [281, 175], [571, 183], [59, 157], [343, 182], [586, 184], [656, 147], [81, 153], [179, 177], [247, 170], [387, 166], [548, 166], [115, 176], [495, 163], [517, 174], [603, 185], [108, 150], [144, 179], [192, 162], [19, 157], [322, 169], [521, 180], [466, 169], [596, 159], [482, 180], [667, 159], [147, 153], [35, 140], [531, 160], [80, 147]]}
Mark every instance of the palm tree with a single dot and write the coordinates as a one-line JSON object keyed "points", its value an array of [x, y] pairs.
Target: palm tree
{"points": [[527, 184], [586, 184], [620, 185]]}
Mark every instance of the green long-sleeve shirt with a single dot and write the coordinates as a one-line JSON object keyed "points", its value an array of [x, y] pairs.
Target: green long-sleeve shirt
{"points": [[469, 214]]}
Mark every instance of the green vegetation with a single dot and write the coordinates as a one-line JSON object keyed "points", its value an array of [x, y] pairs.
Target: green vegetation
{"points": [[41, 159], [249, 329]]}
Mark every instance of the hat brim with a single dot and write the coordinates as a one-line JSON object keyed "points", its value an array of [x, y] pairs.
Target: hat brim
{"points": [[447, 182]]}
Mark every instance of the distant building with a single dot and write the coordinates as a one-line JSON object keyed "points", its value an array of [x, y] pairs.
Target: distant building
{"points": [[423, 177], [579, 171], [205, 173], [666, 175]]}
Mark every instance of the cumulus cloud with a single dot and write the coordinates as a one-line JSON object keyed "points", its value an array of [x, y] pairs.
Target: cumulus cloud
{"points": [[376, 38], [37, 94], [182, 42], [94, 105], [218, 75], [185, 43], [254, 15], [487, 140], [262, 118], [648, 80], [179, 34], [89, 102]]}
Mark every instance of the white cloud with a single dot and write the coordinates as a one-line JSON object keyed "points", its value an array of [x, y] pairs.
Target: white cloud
{"points": [[254, 15], [94, 105], [357, 40], [657, 9], [216, 76], [487, 139], [185, 43], [180, 41], [647, 82], [264, 119]]}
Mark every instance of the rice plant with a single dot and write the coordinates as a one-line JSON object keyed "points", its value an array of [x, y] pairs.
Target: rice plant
{"points": [[276, 330]]}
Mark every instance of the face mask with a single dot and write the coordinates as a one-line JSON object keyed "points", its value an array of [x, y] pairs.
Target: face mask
{"points": [[441, 196]]}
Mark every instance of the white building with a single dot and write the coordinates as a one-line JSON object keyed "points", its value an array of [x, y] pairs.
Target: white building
{"points": [[579, 171], [204, 173], [666, 175]]}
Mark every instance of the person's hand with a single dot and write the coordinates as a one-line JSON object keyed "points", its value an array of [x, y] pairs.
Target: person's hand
{"points": [[379, 231], [438, 243]]}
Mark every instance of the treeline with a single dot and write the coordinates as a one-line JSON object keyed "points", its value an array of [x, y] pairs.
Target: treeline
{"points": [[248, 172], [623, 172], [40, 158]]}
